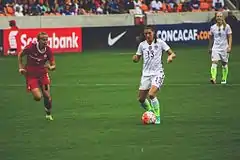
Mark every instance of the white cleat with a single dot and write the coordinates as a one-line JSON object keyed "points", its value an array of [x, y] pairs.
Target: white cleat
{"points": [[49, 117], [223, 82]]}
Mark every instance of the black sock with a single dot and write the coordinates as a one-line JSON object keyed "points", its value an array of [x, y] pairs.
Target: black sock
{"points": [[48, 105]]}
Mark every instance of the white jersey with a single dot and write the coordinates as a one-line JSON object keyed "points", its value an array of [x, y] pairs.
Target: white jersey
{"points": [[220, 41], [152, 56]]}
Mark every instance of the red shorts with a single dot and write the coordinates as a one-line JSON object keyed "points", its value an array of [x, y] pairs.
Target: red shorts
{"points": [[37, 82]]}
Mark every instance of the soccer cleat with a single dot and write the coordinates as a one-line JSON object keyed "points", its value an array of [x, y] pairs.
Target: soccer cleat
{"points": [[223, 82], [213, 81], [151, 110], [158, 120], [49, 117]]}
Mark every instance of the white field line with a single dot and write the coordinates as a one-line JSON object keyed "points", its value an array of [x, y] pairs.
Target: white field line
{"points": [[116, 84]]}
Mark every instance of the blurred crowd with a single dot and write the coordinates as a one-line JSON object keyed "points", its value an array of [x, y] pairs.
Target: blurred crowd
{"points": [[79, 7]]}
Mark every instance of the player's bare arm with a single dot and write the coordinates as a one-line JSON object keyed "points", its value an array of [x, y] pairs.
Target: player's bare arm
{"points": [[21, 66], [229, 43], [210, 44], [171, 56], [136, 58]]}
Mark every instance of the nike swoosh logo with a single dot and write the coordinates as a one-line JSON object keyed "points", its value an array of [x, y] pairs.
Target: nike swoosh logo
{"points": [[112, 41]]}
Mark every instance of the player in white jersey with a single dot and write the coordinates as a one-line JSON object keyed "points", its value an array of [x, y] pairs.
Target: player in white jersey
{"points": [[220, 44], [151, 50]]}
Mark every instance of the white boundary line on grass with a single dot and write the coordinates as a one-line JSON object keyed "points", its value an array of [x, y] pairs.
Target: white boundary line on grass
{"points": [[117, 84]]}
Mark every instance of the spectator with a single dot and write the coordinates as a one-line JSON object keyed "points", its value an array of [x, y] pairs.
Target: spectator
{"points": [[204, 6], [186, 5], [113, 7], [19, 5], [156, 5], [218, 5], [195, 4], [75, 7], [144, 7], [68, 10], [2, 13], [9, 10], [172, 6], [121, 6], [78, 7], [129, 5], [52, 5], [18, 12]]}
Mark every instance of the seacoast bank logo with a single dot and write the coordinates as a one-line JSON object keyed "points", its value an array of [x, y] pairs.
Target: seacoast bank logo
{"points": [[61, 40], [55, 41], [178, 35]]}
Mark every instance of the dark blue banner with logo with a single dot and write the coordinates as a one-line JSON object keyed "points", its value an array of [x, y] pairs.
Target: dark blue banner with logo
{"points": [[191, 33], [185, 33]]}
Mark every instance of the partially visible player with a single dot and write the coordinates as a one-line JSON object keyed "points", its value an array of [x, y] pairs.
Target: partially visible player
{"points": [[151, 50], [40, 59], [220, 44]]}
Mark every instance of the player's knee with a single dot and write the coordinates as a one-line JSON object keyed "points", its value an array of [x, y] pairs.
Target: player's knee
{"points": [[37, 97], [152, 96], [214, 65], [214, 62], [224, 64], [141, 99]]}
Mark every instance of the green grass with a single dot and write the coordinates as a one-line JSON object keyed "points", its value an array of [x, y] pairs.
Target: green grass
{"points": [[97, 116]]}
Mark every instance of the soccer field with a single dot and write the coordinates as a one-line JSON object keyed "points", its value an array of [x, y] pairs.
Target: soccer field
{"points": [[97, 116]]}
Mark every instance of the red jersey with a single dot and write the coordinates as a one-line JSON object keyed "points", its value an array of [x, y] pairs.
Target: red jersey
{"points": [[36, 59]]}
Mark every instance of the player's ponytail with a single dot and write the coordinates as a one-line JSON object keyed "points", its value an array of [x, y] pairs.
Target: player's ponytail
{"points": [[155, 37], [224, 24]]}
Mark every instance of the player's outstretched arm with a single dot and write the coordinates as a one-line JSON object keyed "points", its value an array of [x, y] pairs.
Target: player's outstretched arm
{"points": [[136, 58], [21, 67], [171, 56], [229, 43], [210, 43]]}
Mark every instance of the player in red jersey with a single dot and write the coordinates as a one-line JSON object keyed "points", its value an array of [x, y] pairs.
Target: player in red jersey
{"points": [[40, 59]]}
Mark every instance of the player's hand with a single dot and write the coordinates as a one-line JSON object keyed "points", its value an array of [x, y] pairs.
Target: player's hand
{"points": [[49, 67], [210, 51], [22, 71], [135, 58], [170, 58], [228, 49]]}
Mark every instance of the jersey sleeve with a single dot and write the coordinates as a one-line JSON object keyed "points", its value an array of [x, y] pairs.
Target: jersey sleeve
{"points": [[50, 55], [165, 46], [139, 50], [228, 29], [27, 49]]}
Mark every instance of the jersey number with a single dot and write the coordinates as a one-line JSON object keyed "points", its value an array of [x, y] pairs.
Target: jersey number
{"points": [[150, 53]]}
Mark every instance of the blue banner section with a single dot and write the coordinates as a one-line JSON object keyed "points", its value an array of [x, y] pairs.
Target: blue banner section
{"points": [[185, 33], [191, 33]]}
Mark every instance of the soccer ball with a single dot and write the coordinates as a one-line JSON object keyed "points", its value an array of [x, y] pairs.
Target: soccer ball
{"points": [[148, 117]]}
